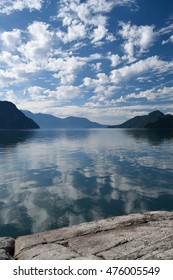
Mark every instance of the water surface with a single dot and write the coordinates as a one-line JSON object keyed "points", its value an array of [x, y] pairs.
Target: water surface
{"points": [[56, 178]]}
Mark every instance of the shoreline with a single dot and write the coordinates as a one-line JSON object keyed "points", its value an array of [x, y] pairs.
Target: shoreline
{"points": [[147, 235]]}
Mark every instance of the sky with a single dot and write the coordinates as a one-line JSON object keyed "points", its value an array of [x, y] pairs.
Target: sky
{"points": [[106, 60]]}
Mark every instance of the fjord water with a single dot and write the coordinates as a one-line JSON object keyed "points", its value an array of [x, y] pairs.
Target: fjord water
{"points": [[56, 178]]}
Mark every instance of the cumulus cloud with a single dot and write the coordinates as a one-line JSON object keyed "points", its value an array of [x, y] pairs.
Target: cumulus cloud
{"points": [[10, 6], [38, 47], [15, 69], [60, 95], [114, 58], [110, 37], [65, 93], [137, 39], [119, 75], [105, 87], [44, 100], [99, 33], [11, 39], [34, 50], [142, 66], [23, 53], [74, 32], [97, 67], [101, 87], [102, 79], [65, 53], [161, 94], [65, 68], [86, 17]]}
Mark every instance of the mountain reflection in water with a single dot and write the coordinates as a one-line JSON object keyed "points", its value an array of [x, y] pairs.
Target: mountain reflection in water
{"points": [[56, 178]]}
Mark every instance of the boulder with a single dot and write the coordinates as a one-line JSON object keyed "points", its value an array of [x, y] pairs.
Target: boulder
{"points": [[146, 235], [6, 248]]}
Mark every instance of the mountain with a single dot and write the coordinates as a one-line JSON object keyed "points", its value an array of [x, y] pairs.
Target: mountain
{"points": [[76, 122], [44, 120], [166, 122], [155, 119], [50, 121], [12, 118]]}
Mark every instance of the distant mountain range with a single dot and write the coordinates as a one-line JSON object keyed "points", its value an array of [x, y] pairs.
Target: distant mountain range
{"points": [[50, 121], [12, 118], [154, 120]]}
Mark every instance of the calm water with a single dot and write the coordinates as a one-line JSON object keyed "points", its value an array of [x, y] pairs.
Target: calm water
{"points": [[51, 179]]}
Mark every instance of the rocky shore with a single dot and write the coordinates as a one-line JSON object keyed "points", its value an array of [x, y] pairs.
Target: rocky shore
{"points": [[146, 235]]}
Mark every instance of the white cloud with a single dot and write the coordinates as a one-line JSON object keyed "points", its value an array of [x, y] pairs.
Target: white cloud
{"points": [[97, 67], [15, 69], [101, 88], [165, 30], [10, 6], [11, 39], [97, 6], [38, 48], [36, 57], [114, 58], [60, 94], [102, 77], [40, 99], [10, 96], [106, 6], [6, 78], [104, 86], [161, 94], [94, 56], [118, 76], [66, 93], [35, 50], [99, 33], [35, 90], [170, 40], [74, 32], [110, 37], [86, 12], [137, 39], [101, 80], [67, 67], [25, 52], [151, 64], [88, 18]]}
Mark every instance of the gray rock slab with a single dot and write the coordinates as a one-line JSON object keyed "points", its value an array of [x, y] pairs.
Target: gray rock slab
{"points": [[6, 248], [147, 235]]}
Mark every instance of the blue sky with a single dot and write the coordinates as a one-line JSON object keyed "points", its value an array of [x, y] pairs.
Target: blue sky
{"points": [[107, 60]]}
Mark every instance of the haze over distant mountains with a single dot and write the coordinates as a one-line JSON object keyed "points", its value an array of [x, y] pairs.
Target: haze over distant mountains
{"points": [[12, 118], [155, 120], [50, 121]]}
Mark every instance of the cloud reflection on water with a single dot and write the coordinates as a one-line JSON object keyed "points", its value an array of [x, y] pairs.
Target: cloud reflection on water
{"points": [[62, 178]]}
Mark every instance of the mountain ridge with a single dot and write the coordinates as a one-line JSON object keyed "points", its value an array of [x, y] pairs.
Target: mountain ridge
{"points": [[154, 120], [12, 118], [50, 121]]}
